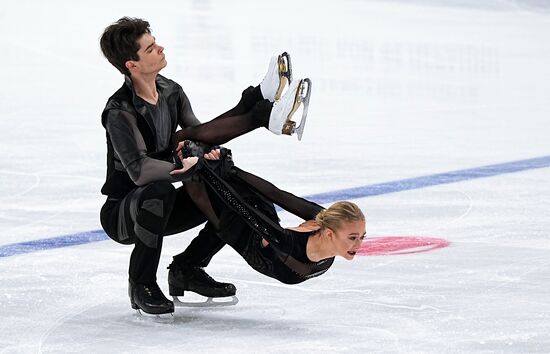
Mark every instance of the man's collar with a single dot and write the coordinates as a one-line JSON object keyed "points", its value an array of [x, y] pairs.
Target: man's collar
{"points": [[130, 84], [139, 103]]}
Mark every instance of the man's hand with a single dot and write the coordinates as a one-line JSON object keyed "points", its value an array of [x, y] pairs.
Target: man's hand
{"points": [[191, 161], [214, 154], [187, 164]]}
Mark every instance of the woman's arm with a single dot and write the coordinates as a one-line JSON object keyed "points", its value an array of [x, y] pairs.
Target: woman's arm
{"points": [[300, 207]]}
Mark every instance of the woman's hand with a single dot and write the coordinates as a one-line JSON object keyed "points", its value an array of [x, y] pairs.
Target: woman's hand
{"points": [[213, 155]]}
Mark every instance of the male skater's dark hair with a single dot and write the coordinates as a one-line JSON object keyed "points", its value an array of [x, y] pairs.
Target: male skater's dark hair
{"points": [[119, 41]]}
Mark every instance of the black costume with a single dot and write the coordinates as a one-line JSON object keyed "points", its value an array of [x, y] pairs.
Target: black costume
{"points": [[142, 205], [245, 214]]}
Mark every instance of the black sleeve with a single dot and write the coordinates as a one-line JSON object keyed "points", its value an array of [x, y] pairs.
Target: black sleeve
{"points": [[130, 147], [298, 206], [186, 117]]}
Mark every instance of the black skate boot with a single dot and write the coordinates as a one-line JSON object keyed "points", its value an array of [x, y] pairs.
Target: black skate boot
{"points": [[195, 279], [149, 298]]}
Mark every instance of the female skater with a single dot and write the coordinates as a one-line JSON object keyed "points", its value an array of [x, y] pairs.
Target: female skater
{"points": [[240, 205]]}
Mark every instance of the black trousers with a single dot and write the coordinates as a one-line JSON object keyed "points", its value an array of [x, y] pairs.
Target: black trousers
{"points": [[149, 213]]}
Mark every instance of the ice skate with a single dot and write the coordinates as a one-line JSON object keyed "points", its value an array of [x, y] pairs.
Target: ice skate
{"points": [[280, 118], [209, 302], [149, 299], [279, 74], [196, 280]]}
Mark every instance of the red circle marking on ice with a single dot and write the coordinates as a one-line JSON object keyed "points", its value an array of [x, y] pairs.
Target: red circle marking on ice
{"points": [[392, 245]]}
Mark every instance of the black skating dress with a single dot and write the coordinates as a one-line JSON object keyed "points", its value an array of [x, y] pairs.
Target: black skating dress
{"points": [[244, 205]]}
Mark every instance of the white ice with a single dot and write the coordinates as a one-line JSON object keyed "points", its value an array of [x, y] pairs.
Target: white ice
{"points": [[400, 89]]}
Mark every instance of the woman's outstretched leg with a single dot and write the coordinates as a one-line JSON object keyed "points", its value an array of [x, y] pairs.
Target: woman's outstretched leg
{"points": [[298, 206], [278, 75], [225, 128], [250, 96], [252, 111]]}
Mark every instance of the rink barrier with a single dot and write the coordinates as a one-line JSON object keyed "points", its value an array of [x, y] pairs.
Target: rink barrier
{"points": [[321, 198]]}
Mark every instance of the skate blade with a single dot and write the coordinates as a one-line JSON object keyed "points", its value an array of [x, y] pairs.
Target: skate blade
{"points": [[305, 102], [207, 303], [303, 94], [161, 318], [285, 73]]}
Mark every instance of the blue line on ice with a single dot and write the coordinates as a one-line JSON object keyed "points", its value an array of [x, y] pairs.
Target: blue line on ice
{"points": [[321, 198]]}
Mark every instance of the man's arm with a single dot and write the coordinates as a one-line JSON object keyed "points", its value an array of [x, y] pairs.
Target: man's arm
{"points": [[186, 116], [130, 147]]}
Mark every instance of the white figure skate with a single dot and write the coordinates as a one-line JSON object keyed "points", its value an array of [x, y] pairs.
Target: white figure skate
{"points": [[280, 121], [279, 74]]}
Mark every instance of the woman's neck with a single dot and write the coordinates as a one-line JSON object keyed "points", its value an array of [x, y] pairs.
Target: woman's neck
{"points": [[318, 247]]}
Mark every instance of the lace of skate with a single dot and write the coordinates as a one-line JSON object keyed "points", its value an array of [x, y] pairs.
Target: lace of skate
{"points": [[202, 276], [153, 290]]}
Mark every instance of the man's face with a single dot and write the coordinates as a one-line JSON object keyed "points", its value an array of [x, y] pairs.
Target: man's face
{"points": [[151, 55]]}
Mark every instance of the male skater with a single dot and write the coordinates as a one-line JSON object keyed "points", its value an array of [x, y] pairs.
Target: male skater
{"points": [[141, 121]]}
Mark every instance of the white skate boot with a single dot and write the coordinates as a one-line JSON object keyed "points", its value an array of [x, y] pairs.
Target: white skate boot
{"points": [[280, 118], [279, 73]]}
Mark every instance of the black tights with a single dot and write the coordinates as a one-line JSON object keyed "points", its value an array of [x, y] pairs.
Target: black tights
{"points": [[298, 206], [250, 113]]}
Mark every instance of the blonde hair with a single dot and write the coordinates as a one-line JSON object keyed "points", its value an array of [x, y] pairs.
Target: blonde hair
{"points": [[337, 213]]}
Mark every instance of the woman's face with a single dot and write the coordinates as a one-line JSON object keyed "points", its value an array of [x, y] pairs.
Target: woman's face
{"points": [[348, 238]]}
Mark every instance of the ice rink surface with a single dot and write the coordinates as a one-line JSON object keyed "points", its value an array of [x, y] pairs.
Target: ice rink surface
{"points": [[404, 93]]}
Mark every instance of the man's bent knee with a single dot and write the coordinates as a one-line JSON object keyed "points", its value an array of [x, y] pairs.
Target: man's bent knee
{"points": [[152, 211]]}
